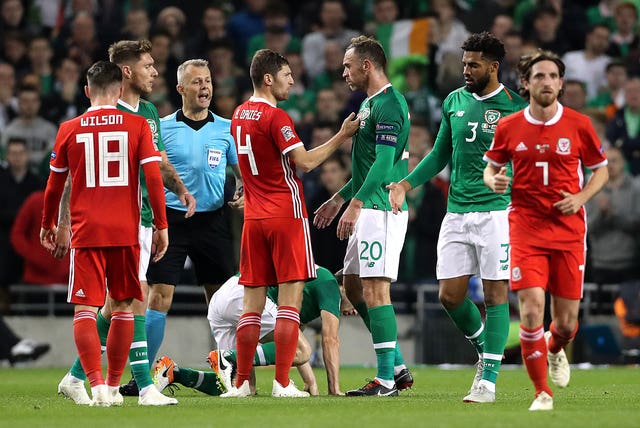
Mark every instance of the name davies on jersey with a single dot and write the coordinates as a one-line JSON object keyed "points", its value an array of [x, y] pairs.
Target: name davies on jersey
{"points": [[109, 119], [248, 114]]}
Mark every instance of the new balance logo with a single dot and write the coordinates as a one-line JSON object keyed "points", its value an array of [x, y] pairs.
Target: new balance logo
{"points": [[534, 355], [460, 113], [521, 147], [80, 293]]}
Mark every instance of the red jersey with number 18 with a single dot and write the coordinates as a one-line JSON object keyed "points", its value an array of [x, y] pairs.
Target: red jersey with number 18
{"points": [[104, 149], [264, 134], [548, 157]]}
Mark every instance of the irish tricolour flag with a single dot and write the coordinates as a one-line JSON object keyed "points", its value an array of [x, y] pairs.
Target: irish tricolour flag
{"points": [[403, 38]]}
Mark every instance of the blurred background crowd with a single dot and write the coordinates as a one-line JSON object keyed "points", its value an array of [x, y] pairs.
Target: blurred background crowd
{"points": [[47, 45]]}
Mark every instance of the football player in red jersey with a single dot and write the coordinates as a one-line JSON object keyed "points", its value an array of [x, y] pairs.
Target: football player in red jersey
{"points": [[275, 246], [548, 144], [103, 150]]}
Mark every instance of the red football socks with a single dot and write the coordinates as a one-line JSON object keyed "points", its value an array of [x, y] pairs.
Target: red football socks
{"points": [[247, 335], [85, 334], [286, 338], [118, 345], [534, 356], [557, 341]]}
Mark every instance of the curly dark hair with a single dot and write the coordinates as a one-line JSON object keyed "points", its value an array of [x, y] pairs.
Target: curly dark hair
{"points": [[485, 42]]}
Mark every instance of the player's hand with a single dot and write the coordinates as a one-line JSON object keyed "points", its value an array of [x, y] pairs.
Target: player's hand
{"points": [[159, 244], [570, 203], [350, 125], [501, 181], [238, 199], [397, 195], [312, 389], [48, 238], [347, 223], [62, 242], [187, 200], [325, 214]]}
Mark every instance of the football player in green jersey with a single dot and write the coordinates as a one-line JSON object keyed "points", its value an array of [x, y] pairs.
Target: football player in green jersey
{"points": [[474, 236], [379, 156]]}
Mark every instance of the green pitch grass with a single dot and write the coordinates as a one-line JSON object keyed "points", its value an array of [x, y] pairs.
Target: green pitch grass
{"points": [[595, 398]]}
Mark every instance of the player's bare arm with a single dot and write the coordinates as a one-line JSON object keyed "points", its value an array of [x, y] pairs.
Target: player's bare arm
{"points": [[173, 182], [571, 202], [496, 179], [238, 198], [63, 236], [347, 223], [331, 351], [325, 214], [397, 194], [308, 160]]}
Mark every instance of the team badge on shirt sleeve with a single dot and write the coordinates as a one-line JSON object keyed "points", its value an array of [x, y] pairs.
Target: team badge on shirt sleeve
{"points": [[213, 158]]}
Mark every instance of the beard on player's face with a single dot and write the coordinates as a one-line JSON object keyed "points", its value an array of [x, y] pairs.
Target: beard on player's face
{"points": [[477, 85]]}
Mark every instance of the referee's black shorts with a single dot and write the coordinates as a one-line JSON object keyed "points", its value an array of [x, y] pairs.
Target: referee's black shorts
{"points": [[206, 239]]}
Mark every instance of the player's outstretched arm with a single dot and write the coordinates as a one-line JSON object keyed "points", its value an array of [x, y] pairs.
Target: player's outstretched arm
{"points": [[308, 160], [495, 178], [331, 351], [173, 182]]}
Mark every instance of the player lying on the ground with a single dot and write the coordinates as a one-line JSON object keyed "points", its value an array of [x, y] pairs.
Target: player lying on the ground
{"points": [[321, 298]]}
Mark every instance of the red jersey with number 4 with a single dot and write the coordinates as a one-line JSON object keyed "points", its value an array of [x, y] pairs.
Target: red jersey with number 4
{"points": [[548, 157], [103, 149], [264, 134]]}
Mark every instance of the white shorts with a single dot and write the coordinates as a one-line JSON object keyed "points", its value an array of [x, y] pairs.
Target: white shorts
{"points": [[225, 309], [374, 249], [145, 237], [475, 243]]}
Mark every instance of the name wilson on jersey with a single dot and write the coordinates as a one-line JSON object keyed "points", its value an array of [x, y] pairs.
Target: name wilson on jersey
{"points": [[109, 119]]}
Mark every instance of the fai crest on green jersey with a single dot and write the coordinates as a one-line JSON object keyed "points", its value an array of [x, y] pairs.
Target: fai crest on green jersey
{"points": [[492, 116], [364, 114], [154, 132]]}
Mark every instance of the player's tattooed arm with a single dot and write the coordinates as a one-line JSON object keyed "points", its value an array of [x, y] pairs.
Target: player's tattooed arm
{"points": [[63, 236], [173, 182]]}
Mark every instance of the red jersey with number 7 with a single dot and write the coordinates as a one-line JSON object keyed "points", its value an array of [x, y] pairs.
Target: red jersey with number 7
{"points": [[103, 149], [548, 157], [264, 134]]}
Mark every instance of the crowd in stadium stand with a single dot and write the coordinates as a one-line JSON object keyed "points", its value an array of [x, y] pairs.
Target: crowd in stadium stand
{"points": [[47, 46]]}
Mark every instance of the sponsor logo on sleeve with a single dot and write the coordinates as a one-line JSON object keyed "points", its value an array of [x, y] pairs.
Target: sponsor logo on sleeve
{"points": [[53, 155], [384, 127], [287, 133]]}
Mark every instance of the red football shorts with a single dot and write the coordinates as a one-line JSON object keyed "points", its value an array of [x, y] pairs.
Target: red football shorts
{"points": [[561, 272], [93, 269], [275, 250]]}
